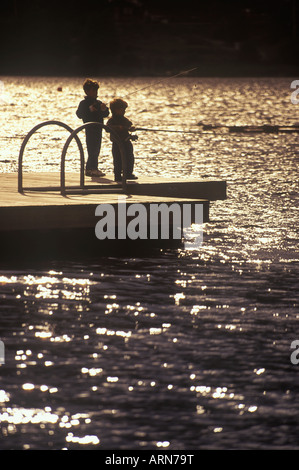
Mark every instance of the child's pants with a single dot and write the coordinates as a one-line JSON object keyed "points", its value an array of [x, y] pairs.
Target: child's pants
{"points": [[93, 143], [129, 153]]}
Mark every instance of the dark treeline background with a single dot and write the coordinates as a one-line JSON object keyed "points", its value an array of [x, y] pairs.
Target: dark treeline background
{"points": [[149, 37]]}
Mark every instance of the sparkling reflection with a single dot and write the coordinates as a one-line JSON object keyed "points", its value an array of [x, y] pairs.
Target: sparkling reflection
{"points": [[181, 349]]}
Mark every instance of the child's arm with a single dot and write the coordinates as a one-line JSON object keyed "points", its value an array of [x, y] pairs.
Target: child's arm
{"points": [[128, 125], [79, 111], [104, 110], [103, 107]]}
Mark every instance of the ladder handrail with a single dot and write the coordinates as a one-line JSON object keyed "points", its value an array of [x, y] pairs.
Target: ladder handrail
{"points": [[25, 141], [74, 135]]}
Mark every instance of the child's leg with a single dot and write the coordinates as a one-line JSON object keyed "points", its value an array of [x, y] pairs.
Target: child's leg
{"points": [[93, 143], [116, 161], [130, 157]]}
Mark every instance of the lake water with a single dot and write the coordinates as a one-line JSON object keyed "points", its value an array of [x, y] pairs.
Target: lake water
{"points": [[171, 349]]}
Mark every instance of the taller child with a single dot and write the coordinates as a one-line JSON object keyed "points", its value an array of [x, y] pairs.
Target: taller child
{"points": [[92, 110]]}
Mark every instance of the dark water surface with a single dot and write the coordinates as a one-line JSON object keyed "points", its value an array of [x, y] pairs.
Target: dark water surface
{"points": [[168, 349]]}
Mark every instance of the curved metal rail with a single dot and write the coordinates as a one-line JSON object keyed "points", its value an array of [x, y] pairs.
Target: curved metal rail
{"points": [[22, 149], [73, 135]]}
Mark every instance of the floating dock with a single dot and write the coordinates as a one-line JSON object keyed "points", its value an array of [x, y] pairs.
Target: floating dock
{"points": [[45, 220]]}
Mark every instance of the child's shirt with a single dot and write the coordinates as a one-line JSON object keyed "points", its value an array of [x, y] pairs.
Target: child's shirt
{"points": [[116, 121], [83, 112]]}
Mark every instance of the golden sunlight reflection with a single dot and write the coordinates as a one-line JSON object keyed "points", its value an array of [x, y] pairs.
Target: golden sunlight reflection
{"points": [[108, 332], [178, 297], [93, 371], [196, 309], [82, 440], [15, 416], [218, 429], [52, 286], [21, 416], [8, 280], [28, 415], [112, 379], [163, 444], [4, 397], [220, 393]]}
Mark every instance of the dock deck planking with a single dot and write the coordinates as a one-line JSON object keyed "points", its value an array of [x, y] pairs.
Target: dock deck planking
{"points": [[49, 210]]}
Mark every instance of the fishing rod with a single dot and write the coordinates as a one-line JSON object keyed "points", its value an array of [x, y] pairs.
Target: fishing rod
{"points": [[185, 72], [246, 129], [267, 128], [165, 130]]}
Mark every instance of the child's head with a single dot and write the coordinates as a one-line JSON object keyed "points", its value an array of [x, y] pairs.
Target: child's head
{"points": [[91, 87], [118, 106]]}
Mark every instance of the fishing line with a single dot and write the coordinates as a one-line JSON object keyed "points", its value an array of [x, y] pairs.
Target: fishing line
{"points": [[185, 72], [165, 130], [240, 129]]}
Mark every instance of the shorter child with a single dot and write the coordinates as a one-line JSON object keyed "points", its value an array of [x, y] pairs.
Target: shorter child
{"points": [[122, 126], [92, 110]]}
